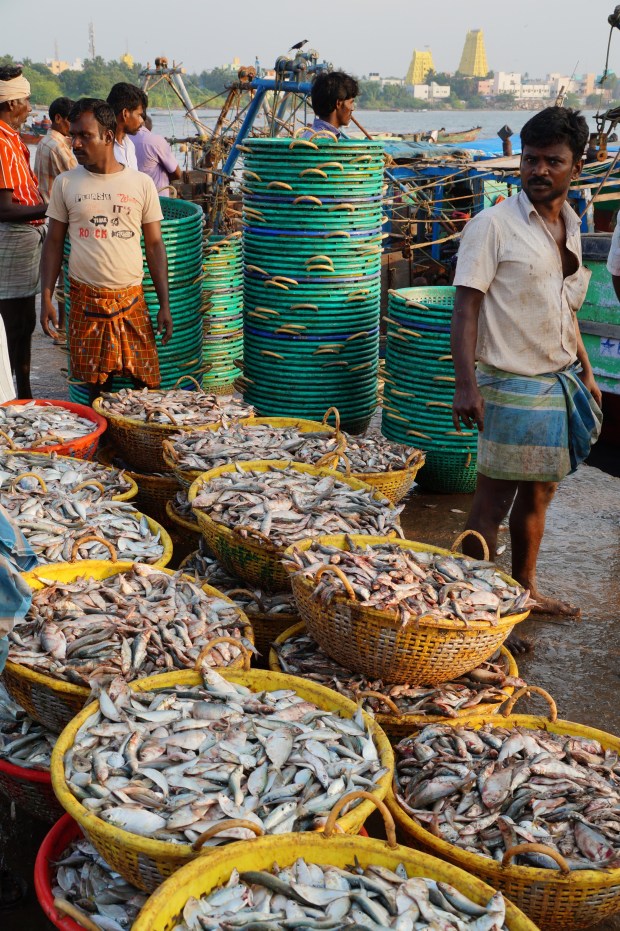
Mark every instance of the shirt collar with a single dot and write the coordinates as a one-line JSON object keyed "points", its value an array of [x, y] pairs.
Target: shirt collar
{"points": [[9, 129], [64, 140], [322, 125], [570, 217]]}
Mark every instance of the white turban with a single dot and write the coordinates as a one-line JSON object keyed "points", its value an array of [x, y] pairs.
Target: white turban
{"points": [[15, 89]]}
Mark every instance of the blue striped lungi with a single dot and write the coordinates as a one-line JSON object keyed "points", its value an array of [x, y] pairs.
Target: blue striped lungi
{"points": [[15, 594], [537, 428]]}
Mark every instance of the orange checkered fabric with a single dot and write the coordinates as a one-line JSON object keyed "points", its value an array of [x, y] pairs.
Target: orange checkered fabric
{"points": [[110, 333]]}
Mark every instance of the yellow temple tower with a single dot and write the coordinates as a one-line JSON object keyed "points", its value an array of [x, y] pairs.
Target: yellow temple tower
{"points": [[421, 64], [474, 58]]}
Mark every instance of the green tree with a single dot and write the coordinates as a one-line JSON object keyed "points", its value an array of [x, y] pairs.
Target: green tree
{"points": [[44, 86]]}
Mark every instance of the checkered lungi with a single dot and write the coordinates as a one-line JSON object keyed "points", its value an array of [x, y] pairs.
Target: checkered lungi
{"points": [[20, 258], [110, 333]]}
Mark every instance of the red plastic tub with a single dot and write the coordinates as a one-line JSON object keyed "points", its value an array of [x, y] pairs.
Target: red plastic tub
{"points": [[84, 447], [54, 843]]}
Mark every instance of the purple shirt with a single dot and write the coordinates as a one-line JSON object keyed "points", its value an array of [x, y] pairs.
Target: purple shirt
{"points": [[155, 157]]}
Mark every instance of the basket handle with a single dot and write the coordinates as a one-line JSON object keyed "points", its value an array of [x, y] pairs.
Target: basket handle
{"points": [[338, 572], [92, 537], [168, 448], [90, 483], [162, 410], [537, 848], [66, 908], [252, 532], [8, 439], [213, 643], [390, 827], [478, 536], [308, 198], [243, 591], [369, 693], [414, 455], [528, 690], [336, 413], [18, 478], [225, 826], [186, 378]]}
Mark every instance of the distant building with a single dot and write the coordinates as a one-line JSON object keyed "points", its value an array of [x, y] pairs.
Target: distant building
{"points": [[127, 59], [474, 58], [439, 91], [507, 82], [558, 81], [57, 67], [419, 91], [375, 77], [587, 84], [421, 64], [485, 88], [535, 91], [392, 82], [430, 91]]}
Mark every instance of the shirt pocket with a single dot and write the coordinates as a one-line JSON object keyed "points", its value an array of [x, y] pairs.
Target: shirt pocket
{"points": [[576, 288]]}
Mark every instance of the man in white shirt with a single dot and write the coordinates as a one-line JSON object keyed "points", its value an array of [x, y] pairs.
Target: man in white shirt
{"points": [[129, 104], [516, 346]]}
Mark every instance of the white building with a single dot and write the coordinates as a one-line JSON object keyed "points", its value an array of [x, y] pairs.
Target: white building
{"points": [[419, 91], [392, 82], [558, 81], [439, 91], [375, 77], [532, 91], [507, 82]]}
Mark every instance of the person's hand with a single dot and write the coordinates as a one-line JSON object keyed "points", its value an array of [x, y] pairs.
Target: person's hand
{"points": [[164, 324], [593, 388], [49, 320], [468, 407]]}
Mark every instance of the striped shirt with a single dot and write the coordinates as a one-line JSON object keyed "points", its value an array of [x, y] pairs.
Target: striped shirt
{"points": [[16, 175], [54, 155]]}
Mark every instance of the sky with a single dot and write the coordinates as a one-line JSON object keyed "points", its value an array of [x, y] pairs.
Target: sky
{"points": [[533, 36]]}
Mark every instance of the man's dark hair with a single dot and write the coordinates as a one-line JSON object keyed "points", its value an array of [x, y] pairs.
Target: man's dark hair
{"points": [[125, 96], [102, 111], [330, 87], [557, 124], [61, 107], [8, 72]]}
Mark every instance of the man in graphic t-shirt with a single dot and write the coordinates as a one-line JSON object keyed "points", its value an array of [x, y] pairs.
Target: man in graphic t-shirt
{"points": [[105, 206]]}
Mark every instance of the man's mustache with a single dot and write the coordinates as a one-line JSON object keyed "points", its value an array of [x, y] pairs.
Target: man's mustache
{"points": [[540, 181]]}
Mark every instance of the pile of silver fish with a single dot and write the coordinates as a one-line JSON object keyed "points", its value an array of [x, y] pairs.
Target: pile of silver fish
{"points": [[306, 895], [253, 601], [288, 506], [83, 878], [205, 450], [60, 472], [490, 789], [300, 655], [183, 508], [53, 521], [134, 624], [414, 584], [38, 425], [172, 764], [23, 741], [184, 407]]}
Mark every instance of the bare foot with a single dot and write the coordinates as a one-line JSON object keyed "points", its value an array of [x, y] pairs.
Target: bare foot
{"points": [[518, 645], [541, 604]]}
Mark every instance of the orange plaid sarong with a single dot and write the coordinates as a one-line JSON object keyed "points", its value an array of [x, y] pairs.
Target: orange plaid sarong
{"points": [[110, 333]]}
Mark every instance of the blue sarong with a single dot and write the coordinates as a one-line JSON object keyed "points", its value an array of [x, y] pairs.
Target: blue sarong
{"points": [[537, 428], [15, 594]]}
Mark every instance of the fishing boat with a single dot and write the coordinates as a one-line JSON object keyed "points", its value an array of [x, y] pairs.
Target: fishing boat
{"points": [[33, 132], [464, 135]]}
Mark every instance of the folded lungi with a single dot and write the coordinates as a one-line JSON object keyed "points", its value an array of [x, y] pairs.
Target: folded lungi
{"points": [[536, 428], [110, 333]]}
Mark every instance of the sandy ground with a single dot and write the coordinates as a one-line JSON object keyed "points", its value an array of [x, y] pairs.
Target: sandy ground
{"points": [[577, 661]]}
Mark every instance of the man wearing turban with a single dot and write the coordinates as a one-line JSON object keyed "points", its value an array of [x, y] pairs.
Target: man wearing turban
{"points": [[22, 229]]}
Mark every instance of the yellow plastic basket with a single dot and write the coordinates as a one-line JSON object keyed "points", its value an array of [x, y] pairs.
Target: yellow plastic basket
{"points": [[49, 701], [393, 484], [395, 724], [146, 863], [267, 627], [163, 911], [188, 476], [154, 491], [45, 458], [254, 558], [375, 643], [556, 901], [138, 441]]}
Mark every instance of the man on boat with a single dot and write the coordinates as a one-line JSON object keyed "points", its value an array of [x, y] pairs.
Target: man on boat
{"points": [[519, 284], [22, 227], [155, 157], [333, 101], [53, 156], [104, 207], [129, 104]]}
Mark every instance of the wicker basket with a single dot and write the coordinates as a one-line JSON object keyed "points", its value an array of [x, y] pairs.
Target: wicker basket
{"points": [[31, 790], [154, 491], [376, 644], [395, 724], [146, 863], [139, 442], [254, 558], [393, 484], [50, 701], [164, 909], [556, 901], [83, 447], [128, 495], [188, 476]]}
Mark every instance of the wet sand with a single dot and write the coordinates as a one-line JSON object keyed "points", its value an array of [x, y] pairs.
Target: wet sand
{"points": [[578, 662]]}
